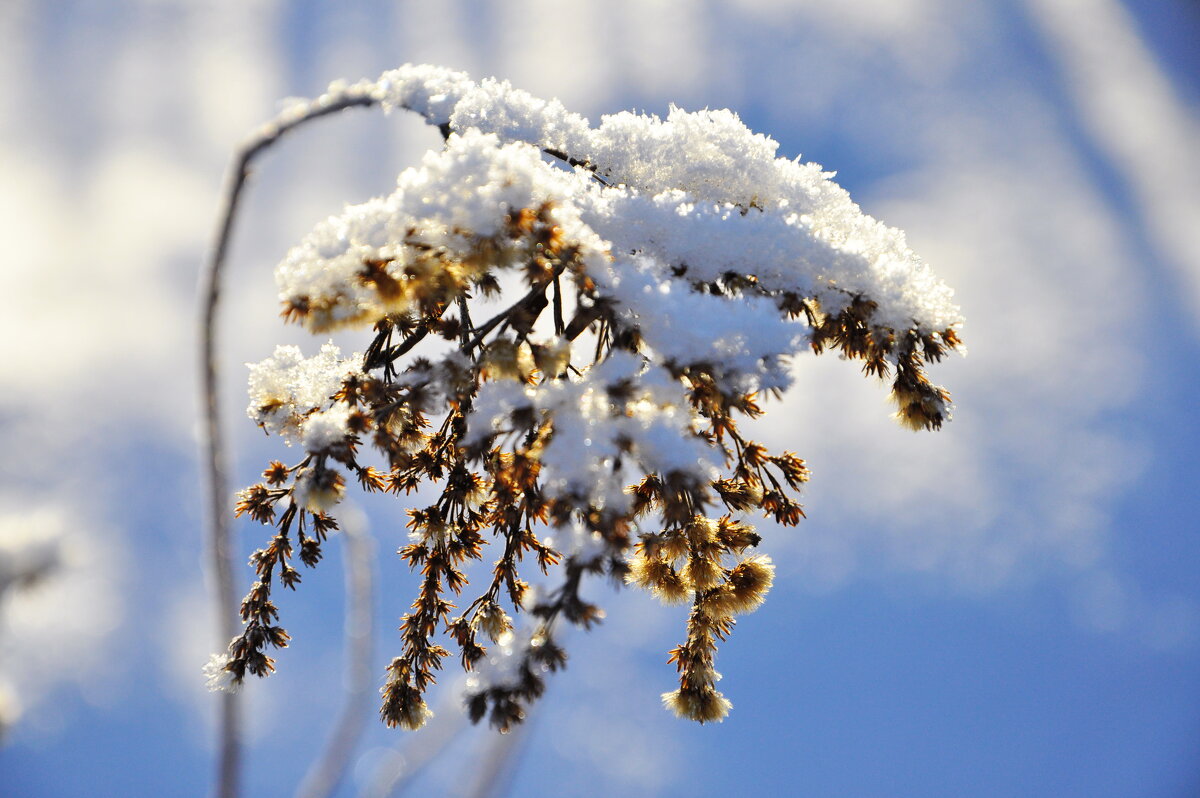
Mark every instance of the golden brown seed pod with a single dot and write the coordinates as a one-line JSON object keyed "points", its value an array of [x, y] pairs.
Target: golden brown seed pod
{"points": [[701, 572], [736, 535], [553, 358], [403, 706], [745, 589], [701, 532], [324, 489], [920, 408], [507, 360], [659, 577], [753, 576], [493, 621], [673, 544]]}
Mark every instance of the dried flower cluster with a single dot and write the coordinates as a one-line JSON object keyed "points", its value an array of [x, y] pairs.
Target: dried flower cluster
{"points": [[568, 325]]}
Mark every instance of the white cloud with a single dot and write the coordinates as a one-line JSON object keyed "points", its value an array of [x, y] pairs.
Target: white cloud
{"points": [[54, 630], [1136, 117]]}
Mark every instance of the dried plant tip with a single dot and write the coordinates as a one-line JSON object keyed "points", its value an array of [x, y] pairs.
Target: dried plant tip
{"points": [[744, 590], [924, 407], [507, 360], [553, 358], [736, 536], [276, 473], [403, 706], [659, 577], [703, 705], [320, 489]]}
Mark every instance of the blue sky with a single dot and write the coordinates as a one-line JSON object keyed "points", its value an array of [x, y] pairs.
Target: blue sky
{"points": [[1006, 607]]}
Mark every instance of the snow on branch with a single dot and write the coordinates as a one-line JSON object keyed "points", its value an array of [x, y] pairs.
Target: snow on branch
{"points": [[612, 300]]}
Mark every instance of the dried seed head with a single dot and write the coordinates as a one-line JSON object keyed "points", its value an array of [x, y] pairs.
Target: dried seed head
{"points": [[403, 706], [493, 621], [701, 573], [744, 590], [507, 360], [553, 358], [320, 489], [704, 705]]}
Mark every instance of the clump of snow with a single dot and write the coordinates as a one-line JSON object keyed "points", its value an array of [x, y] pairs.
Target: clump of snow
{"points": [[782, 217], [616, 420], [218, 678], [442, 212], [287, 388], [326, 429]]}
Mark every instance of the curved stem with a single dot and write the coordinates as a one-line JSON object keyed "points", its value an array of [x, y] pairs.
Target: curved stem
{"points": [[221, 551]]}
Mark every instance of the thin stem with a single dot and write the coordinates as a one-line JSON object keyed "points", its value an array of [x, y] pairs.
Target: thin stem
{"points": [[495, 773], [464, 320], [559, 324], [327, 773], [532, 296], [221, 550], [400, 772]]}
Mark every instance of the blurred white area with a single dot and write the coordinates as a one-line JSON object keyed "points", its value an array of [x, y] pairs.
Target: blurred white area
{"points": [[58, 606], [117, 123], [1134, 115]]}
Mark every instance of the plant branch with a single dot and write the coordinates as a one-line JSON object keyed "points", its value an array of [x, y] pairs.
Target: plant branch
{"points": [[529, 300]]}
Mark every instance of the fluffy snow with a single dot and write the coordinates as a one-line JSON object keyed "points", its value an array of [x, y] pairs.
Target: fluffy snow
{"points": [[287, 388], [596, 438], [714, 182]]}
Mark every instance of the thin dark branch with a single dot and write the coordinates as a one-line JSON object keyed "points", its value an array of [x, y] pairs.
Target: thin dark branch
{"points": [[588, 165], [531, 297], [464, 320], [559, 324], [404, 347], [328, 772]]}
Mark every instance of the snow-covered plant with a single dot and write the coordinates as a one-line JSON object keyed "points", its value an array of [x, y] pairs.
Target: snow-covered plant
{"points": [[566, 326]]}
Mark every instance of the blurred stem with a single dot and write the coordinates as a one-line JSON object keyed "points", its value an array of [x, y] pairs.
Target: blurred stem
{"points": [[221, 551], [494, 777], [327, 773], [408, 762]]}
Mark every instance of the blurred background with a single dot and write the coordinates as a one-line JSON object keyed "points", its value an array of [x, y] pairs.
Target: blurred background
{"points": [[1007, 607]]}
